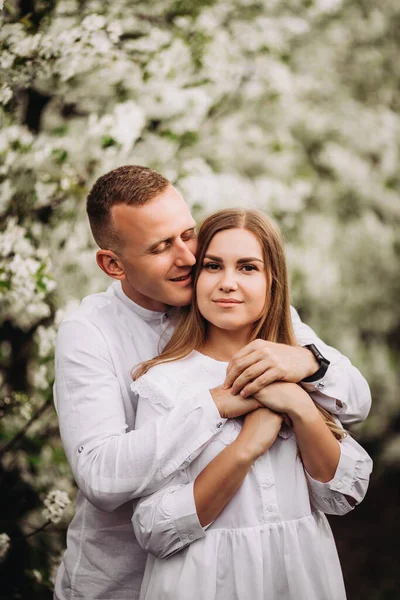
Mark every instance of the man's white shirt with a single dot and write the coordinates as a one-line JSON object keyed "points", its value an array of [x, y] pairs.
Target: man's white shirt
{"points": [[97, 348]]}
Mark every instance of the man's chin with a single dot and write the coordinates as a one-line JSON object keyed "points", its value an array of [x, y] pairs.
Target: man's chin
{"points": [[182, 299]]}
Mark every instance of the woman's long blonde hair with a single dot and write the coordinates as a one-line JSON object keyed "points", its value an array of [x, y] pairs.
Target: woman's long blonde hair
{"points": [[275, 323]]}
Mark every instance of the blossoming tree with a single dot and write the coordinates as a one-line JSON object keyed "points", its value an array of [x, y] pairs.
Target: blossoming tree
{"points": [[287, 106]]}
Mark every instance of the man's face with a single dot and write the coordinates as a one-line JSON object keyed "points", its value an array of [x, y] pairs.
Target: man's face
{"points": [[157, 252]]}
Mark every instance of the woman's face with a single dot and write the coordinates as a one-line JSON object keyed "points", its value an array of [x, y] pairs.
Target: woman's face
{"points": [[232, 285]]}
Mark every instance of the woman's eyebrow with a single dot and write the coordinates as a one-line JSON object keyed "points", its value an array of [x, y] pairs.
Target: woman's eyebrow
{"points": [[240, 261], [211, 257]]}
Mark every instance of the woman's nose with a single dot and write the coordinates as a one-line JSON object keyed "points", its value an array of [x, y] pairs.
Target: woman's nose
{"points": [[227, 282]]}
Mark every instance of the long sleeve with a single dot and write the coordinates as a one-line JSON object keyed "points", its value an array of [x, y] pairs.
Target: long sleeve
{"points": [[166, 522], [110, 464], [350, 483], [343, 391]]}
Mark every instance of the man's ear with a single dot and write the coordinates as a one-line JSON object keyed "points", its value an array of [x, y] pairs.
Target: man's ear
{"points": [[109, 262]]}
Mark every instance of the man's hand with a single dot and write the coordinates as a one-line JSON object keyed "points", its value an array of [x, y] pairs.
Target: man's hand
{"points": [[231, 406], [260, 363], [260, 430]]}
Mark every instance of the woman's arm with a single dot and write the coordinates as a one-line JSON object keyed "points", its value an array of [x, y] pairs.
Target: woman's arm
{"points": [[220, 480], [348, 486], [317, 445], [162, 522], [337, 472]]}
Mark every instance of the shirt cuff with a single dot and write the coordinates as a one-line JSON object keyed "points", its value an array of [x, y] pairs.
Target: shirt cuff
{"points": [[327, 391], [343, 480], [182, 510]]}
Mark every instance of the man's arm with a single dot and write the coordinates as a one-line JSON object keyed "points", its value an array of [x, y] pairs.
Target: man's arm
{"points": [[342, 390], [110, 464]]}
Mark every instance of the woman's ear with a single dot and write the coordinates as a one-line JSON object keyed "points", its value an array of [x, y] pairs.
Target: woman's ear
{"points": [[110, 263]]}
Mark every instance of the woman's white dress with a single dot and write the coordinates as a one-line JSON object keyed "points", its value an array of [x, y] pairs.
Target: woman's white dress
{"points": [[272, 541]]}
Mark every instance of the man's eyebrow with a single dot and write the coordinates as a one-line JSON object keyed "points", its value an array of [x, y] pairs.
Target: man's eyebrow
{"points": [[240, 261], [155, 244]]}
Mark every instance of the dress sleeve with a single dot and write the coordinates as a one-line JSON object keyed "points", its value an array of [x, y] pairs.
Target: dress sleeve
{"points": [[166, 522], [342, 391], [111, 465], [350, 483]]}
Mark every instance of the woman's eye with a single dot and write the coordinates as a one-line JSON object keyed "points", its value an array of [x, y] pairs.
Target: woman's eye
{"points": [[249, 268], [211, 266]]}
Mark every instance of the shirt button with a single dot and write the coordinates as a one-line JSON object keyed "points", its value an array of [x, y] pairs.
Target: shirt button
{"points": [[320, 385], [219, 424], [339, 484], [270, 507], [191, 537], [80, 449]]}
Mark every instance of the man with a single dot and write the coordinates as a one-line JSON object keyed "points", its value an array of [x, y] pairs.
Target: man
{"points": [[147, 242]]}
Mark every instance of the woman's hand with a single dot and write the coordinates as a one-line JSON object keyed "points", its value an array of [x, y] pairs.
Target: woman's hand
{"points": [[230, 406], [283, 397], [260, 430]]}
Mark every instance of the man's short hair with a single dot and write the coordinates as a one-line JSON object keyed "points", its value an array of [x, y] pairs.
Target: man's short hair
{"points": [[133, 185]]}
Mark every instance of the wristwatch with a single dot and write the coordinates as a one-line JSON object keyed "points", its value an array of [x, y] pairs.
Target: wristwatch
{"points": [[321, 360]]}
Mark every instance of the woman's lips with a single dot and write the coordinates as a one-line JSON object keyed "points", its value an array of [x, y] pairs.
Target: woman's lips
{"points": [[227, 302]]}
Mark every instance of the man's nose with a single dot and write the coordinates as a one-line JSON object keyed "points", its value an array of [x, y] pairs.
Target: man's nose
{"points": [[184, 256]]}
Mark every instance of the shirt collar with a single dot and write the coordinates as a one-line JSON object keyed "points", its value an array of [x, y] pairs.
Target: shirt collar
{"points": [[144, 313]]}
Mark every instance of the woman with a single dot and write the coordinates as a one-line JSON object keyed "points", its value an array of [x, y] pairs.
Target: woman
{"points": [[272, 541]]}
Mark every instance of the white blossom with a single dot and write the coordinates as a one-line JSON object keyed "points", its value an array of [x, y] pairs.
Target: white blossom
{"points": [[46, 338], [24, 278], [4, 545], [39, 377], [6, 192], [93, 22], [5, 94], [55, 503], [44, 192]]}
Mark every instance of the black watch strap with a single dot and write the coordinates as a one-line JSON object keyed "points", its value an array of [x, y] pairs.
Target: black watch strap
{"points": [[321, 360]]}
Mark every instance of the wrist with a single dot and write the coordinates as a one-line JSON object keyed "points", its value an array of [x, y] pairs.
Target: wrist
{"points": [[317, 359], [217, 396], [246, 452], [311, 365], [303, 410]]}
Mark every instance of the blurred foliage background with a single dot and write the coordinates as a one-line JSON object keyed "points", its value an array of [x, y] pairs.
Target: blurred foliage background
{"points": [[289, 106]]}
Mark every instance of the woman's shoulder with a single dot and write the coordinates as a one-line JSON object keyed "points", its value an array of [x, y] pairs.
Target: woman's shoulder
{"points": [[175, 370], [169, 372]]}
